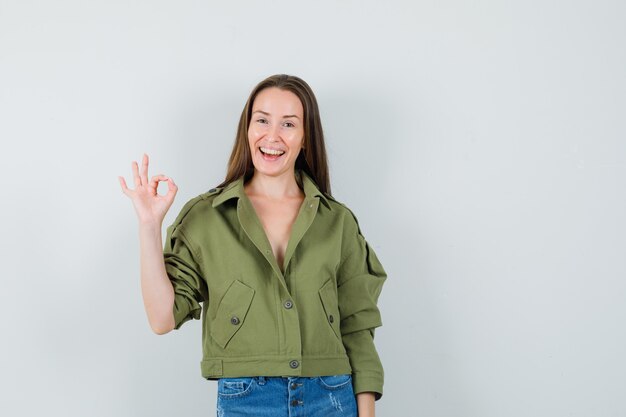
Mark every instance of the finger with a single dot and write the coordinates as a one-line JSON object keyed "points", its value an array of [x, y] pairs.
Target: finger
{"points": [[136, 176], [172, 188], [154, 181], [144, 169], [159, 177], [125, 189]]}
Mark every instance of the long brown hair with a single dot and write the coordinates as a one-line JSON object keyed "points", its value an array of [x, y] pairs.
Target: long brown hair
{"points": [[312, 157]]}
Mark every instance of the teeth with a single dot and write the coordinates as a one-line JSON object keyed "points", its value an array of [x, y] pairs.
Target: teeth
{"points": [[272, 151]]}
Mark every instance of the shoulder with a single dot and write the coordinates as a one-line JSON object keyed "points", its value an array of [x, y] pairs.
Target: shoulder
{"points": [[348, 216], [195, 208]]}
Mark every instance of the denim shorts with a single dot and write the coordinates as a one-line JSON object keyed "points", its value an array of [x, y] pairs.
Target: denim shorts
{"points": [[261, 396]]}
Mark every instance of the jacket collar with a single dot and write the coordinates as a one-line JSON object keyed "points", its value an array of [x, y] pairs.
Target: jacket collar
{"points": [[235, 189]]}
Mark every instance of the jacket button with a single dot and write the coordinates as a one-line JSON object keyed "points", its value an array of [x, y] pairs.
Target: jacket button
{"points": [[331, 318], [234, 320], [288, 304], [294, 364]]}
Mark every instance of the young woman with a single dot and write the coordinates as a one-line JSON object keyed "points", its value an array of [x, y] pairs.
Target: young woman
{"points": [[288, 283]]}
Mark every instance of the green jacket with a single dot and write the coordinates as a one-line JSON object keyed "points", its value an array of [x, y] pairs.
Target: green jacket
{"points": [[317, 318]]}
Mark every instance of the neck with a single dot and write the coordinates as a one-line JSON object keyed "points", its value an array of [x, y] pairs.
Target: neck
{"points": [[279, 187]]}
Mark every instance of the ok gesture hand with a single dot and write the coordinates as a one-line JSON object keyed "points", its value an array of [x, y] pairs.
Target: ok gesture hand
{"points": [[149, 205]]}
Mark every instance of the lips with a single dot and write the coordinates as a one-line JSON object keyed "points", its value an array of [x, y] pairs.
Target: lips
{"points": [[270, 151]]}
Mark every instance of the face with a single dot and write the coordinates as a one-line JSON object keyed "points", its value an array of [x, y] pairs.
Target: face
{"points": [[276, 131]]}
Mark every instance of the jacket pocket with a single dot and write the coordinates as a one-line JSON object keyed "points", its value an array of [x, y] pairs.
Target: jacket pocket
{"points": [[231, 312], [328, 296]]}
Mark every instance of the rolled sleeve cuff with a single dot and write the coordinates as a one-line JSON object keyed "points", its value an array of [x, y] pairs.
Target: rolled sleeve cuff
{"points": [[184, 310], [368, 382]]}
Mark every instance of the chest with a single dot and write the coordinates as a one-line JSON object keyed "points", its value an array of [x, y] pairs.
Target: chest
{"points": [[277, 219]]}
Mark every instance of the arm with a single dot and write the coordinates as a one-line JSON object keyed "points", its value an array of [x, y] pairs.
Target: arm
{"points": [[360, 277], [172, 283], [157, 291], [365, 404], [156, 288]]}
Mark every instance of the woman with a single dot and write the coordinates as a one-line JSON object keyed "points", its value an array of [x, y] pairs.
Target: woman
{"points": [[288, 283]]}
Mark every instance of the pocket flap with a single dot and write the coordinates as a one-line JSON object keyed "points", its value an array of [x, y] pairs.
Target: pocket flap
{"points": [[232, 312], [328, 295]]}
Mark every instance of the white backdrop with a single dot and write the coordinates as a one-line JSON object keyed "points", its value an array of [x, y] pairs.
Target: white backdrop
{"points": [[481, 145]]}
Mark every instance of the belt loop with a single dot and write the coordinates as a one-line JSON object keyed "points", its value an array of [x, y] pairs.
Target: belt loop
{"points": [[261, 380]]}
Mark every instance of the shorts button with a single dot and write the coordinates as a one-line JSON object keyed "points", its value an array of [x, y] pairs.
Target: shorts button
{"points": [[294, 364], [293, 385], [234, 320]]}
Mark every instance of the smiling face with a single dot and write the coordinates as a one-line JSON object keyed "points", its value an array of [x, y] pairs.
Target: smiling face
{"points": [[276, 131]]}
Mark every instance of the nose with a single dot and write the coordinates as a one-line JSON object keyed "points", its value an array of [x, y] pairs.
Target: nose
{"points": [[274, 133]]}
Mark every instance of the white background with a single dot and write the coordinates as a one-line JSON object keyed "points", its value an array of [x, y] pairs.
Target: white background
{"points": [[480, 143]]}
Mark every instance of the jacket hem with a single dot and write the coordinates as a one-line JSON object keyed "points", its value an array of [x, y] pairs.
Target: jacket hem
{"points": [[230, 367]]}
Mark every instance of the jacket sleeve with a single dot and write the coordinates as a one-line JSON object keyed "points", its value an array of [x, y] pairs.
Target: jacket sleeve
{"points": [[360, 278], [182, 267]]}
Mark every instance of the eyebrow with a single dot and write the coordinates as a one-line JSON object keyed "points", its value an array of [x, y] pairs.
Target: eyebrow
{"points": [[267, 114]]}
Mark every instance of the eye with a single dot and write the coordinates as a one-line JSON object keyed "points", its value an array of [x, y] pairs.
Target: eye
{"points": [[289, 124], [261, 120]]}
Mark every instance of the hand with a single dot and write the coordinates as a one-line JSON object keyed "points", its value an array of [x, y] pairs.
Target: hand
{"points": [[149, 205]]}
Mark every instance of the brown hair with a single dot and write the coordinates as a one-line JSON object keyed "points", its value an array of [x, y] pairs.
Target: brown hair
{"points": [[312, 157]]}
